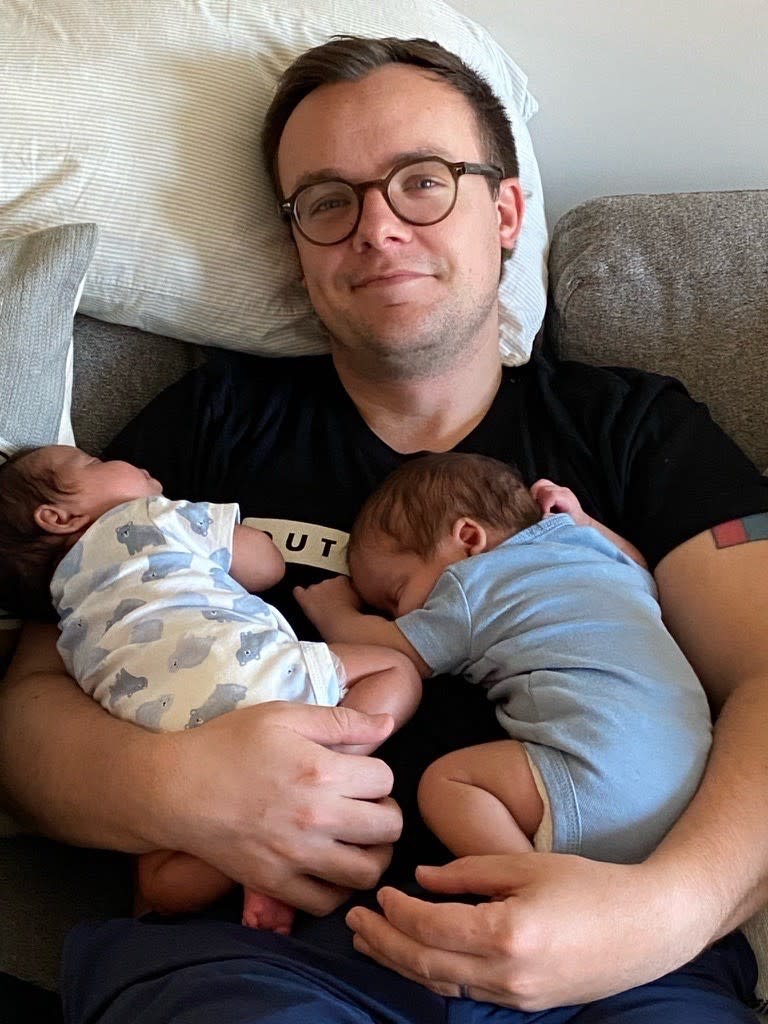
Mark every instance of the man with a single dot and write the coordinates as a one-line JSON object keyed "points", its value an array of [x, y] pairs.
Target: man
{"points": [[384, 155]]}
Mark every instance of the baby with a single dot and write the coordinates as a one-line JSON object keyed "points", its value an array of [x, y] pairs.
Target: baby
{"points": [[609, 726], [158, 625]]}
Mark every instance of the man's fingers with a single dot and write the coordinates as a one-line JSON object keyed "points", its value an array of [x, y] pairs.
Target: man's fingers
{"points": [[366, 823], [336, 725], [446, 926], [312, 894], [484, 876], [440, 969], [353, 867]]}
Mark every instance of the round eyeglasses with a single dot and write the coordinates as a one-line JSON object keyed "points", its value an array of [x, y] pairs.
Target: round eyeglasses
{"points": [[419, 192]]}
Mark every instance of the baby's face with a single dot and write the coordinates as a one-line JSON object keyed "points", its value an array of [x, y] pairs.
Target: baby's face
{"points": [[93, 487], [394, 580]]}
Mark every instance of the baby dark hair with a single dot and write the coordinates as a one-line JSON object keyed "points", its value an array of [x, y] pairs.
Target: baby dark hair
{"points": [[419, 503], [28, 555]]}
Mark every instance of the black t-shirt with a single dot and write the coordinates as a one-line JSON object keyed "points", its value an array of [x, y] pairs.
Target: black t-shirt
{"points": [[282, 438]]}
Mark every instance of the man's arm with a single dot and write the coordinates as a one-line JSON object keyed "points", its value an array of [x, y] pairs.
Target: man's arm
{"points": [[550, 936], [284, 809], [715, 602]]}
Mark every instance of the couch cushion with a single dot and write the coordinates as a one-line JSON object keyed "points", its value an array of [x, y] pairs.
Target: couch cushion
{"points": [[672, 283], [117, 370]]}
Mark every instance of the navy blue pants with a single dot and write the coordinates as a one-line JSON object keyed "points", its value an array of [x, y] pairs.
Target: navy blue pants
{"points": [[215, 972]]}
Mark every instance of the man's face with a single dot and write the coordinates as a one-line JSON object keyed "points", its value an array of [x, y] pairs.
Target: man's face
{"points": [[400, 301]]}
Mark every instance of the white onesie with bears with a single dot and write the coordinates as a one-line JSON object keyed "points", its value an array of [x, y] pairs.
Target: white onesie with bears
{"points": [[154, 628]]}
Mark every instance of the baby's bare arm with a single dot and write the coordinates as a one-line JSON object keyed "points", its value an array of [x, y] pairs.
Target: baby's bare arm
{"points": [[334, 607], [256, 562]]}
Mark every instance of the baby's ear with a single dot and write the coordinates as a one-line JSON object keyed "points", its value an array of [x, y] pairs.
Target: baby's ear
{"points": [[470, 535], [55, 519]]}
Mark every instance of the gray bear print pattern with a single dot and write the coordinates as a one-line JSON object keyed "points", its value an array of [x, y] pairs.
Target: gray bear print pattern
{"points": [[224, 698], [75, 632], [136, 537], [151, 712], [163, 563], [164, 636], [126, 606], [197, 517], [190, 651], [125, 685], [145, 631], [251, 645]]}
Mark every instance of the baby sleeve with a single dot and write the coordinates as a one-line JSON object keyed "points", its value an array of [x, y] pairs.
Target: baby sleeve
{"points": [[441, 631]]}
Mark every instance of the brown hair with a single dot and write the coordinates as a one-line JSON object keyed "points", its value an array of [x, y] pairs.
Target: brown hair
{"points": [[419, 503], [350, 58], [28, 555]]}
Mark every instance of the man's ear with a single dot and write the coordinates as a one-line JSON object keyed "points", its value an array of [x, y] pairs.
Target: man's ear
{"points": [[511, 208], [55, 519], [470, 535]]}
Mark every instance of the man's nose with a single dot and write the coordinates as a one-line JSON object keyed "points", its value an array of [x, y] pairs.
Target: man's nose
{"points": [[379, 224]]}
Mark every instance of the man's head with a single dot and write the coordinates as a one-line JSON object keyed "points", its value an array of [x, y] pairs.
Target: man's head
{"points": [[431, 512], [399, 299], [350, 58]]}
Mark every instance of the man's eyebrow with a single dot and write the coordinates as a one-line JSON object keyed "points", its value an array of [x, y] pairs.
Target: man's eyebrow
{"points": [[335, 174]]}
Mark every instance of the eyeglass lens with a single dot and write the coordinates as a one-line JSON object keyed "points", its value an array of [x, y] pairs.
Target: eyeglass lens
{"points": [[420, 193]]}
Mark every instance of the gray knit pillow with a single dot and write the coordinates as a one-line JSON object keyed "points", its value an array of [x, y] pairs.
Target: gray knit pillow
{"points": [[41, 278]]}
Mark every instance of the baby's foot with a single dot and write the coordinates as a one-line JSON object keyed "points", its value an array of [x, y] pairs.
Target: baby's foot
{"points": [[261, 911]]}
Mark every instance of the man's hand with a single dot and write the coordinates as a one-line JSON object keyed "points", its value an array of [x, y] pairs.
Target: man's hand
{"points": [[559, 929], [258, 795], [333, 607]]}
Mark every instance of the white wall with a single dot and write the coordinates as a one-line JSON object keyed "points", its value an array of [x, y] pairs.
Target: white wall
{"points": [[640, 96]]}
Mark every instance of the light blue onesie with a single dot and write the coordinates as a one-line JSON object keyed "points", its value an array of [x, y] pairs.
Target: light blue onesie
{"points": [[154, 628], [565, 632]]}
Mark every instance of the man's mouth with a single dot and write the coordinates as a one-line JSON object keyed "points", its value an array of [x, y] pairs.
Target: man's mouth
{"points": [[387, 278]]}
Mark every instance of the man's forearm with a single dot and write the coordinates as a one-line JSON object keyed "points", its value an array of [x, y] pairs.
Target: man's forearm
{"points": [[71, 770], [721, 842]]}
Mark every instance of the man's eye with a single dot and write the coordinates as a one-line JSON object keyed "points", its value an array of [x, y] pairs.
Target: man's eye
{"points": [[328, 204], [423, 184]]}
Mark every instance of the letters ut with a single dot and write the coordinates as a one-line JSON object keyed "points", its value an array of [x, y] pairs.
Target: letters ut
{"points": [[306, 543]]}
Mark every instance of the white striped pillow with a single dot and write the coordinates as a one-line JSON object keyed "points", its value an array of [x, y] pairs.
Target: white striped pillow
{"points": [[144, 118]]}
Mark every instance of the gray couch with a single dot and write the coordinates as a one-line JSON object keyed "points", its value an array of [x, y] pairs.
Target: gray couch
{"points": [[677, 284]]}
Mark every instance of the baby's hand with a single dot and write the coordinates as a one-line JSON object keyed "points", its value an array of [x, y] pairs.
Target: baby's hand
{"points": [[552, 498], [329, 606]]}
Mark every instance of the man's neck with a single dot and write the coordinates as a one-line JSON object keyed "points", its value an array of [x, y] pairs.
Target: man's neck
{"points": [[429, 413]]}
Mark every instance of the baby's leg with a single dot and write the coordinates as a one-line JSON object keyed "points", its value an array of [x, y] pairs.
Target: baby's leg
{"points": [[171, 882], [482, 799], [379, 680]]}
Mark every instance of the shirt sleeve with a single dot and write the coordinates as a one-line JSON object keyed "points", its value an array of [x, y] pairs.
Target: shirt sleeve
{"points": [[684, 476], [204, 528], [643, 456], [441, 631]]}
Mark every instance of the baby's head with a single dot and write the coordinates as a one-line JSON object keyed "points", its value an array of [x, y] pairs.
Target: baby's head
{"points": [[48, 497], [431, 512]]}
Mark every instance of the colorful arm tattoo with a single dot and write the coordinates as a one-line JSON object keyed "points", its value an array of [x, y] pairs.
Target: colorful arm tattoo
{"points": [[741, 531]]}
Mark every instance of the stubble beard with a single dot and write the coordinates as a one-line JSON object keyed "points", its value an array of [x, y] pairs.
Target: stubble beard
{"points": [[428, 348]]}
